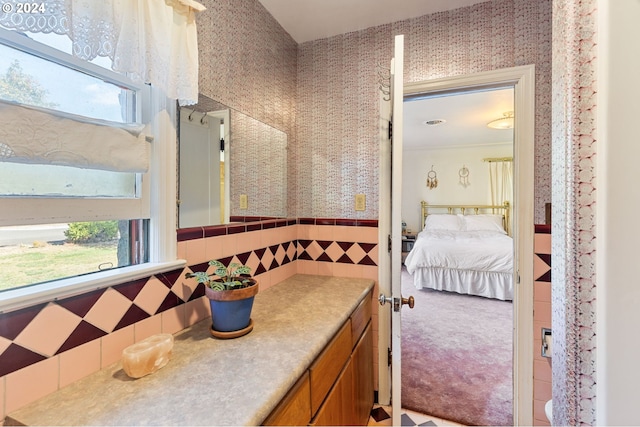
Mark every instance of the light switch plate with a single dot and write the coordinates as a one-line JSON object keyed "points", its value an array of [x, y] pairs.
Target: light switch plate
{"points": [[244, 201], [361, 202]]}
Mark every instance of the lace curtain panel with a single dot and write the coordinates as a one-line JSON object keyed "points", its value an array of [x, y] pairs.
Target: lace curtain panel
{"points": [[152, 41], [41, 136]]}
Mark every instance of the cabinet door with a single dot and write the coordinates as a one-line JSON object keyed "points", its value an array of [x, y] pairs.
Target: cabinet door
{"points": [[324, 371], [362, 361], [337, 408], [295, 408]]}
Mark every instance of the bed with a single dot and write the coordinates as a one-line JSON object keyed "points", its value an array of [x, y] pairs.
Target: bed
{"points": [[465, 249]]}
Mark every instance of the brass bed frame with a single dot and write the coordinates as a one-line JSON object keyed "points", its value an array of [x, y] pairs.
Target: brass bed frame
{"points": [[504, 209]]}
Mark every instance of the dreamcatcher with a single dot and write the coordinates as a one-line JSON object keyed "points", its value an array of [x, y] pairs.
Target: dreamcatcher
{"points": [[432, 179], [463, 173]]}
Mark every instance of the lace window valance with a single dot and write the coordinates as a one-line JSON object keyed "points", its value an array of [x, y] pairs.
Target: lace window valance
{"points": [[152, 41]]}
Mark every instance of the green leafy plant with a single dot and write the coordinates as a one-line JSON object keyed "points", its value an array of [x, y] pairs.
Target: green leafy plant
{"points": [[97, 231], [235, 276]]}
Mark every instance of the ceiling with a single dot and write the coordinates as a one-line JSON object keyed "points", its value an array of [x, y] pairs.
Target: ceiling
{"points": [[466, 114], [307, 20]]}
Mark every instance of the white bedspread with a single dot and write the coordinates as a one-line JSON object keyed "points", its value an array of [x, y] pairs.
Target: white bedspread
{"points": [[470, 262]]}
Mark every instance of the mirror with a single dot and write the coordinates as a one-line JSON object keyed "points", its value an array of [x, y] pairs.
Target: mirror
{"points": [[230, 165]]}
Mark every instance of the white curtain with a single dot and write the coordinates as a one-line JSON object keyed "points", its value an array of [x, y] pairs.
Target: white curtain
{"points": [[42, 136], [152, 41], [501, 181]]}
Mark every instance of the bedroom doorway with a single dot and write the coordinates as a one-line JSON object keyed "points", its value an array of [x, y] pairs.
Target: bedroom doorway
{"points": [[463, 291], [521, 81]]}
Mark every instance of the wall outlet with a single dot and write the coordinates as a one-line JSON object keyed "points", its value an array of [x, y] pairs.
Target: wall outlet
{"points": [[361, 202], [244, 201]]}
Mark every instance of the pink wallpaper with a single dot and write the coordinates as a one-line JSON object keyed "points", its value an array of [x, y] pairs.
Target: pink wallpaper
{"points": [[336, 150], [574, 195], [258, 156], [323, 93], [247, 61]]}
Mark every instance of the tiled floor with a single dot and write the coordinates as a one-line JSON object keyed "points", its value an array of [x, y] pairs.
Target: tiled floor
{"points": [[381, 416]]}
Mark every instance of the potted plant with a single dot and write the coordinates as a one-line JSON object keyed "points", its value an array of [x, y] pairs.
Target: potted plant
{"points": [[231, 291]]}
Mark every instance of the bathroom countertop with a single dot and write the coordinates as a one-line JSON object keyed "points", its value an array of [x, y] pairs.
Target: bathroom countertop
{"points": [[210, 381]]}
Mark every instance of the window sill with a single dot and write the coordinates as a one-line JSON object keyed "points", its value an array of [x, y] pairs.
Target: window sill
{"points": [[16, 299]]}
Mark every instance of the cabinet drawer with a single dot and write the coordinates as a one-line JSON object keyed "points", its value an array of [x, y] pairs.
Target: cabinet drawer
{"points": [[360, 318], [326, 368], [295, 408]]}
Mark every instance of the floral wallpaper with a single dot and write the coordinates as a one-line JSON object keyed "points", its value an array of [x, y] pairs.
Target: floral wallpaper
{"points": [[573, 246], [336, 150], [324, 94]]}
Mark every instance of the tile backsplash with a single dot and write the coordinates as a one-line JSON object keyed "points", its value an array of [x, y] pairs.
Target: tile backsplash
{"points": [[541, 319], [48, 346]]}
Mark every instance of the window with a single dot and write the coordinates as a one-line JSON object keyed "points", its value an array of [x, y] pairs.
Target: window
{"points": [[94, 223]]}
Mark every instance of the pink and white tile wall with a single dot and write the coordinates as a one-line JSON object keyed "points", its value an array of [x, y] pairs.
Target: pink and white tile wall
{"points": [[46, 347], [541, 319]]}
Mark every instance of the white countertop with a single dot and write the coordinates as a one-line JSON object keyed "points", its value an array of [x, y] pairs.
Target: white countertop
{"points": [[210, 381]]}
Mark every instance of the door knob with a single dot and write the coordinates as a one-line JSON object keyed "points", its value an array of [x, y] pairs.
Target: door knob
{"points": [[383, 300], [410, 301], [397, 302]]}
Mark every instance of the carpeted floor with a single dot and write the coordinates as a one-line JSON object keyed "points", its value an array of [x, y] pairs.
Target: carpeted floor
{"points": [[456, 356]]}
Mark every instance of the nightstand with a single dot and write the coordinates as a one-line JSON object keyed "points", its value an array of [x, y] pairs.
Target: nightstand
{"points": [[408, 240]]}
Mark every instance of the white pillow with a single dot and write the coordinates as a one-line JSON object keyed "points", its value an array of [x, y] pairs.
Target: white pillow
{"points": [[447, 222], [488, 222]]}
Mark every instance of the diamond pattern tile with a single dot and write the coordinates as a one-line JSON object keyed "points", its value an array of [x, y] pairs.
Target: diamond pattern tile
{"points": [[14, 322], [108, 310], [133, 315], [315, 250], [170, 301], [152, 296], [291, 251], [48, 330], [542, 267], [356, 253], [81, 304], [334, 251], [280, 254], [4, 344], [33, 334], [183, 287], [82, 334], [16, 357]]}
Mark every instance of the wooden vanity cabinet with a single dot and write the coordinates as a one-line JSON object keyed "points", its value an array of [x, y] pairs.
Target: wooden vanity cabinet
{"points": [[327, 367], [340, 380], [295, 408], [350, 400], [362, 362]]}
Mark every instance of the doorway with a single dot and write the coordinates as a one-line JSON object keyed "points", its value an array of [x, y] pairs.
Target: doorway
{"points": [[522, 81], [457, 347]]}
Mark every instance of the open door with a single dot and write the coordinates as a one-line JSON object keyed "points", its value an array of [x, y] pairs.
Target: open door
{"points": [[395, 301], [522, 79]]}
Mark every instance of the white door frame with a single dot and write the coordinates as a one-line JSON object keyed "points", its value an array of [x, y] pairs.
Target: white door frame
{"points": [[522, 79]]}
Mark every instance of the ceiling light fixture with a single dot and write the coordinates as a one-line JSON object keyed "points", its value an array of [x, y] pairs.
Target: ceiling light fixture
{"points": [[505, 122], [434, 122]]}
